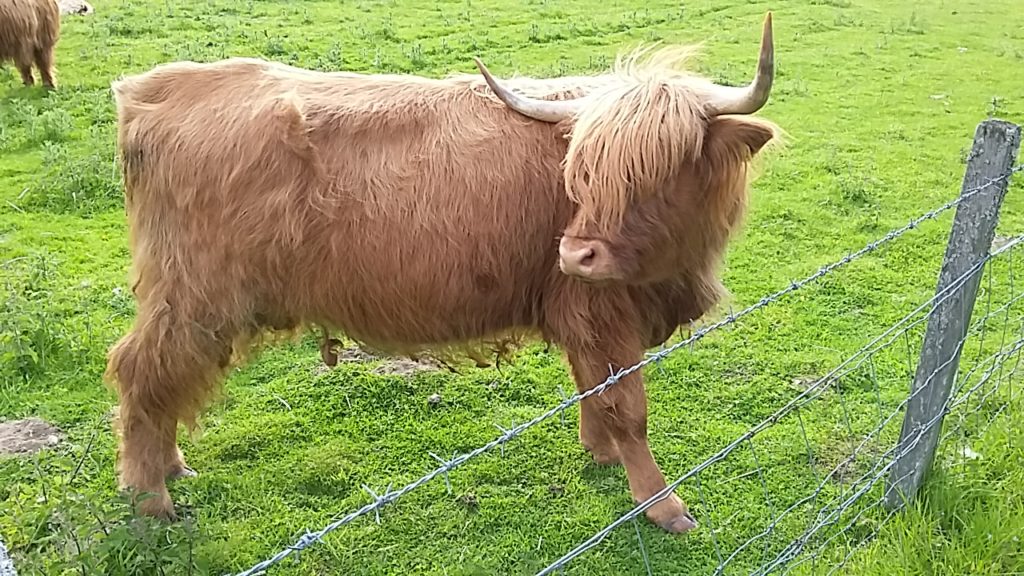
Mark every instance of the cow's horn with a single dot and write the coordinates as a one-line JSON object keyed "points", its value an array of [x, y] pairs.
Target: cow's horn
{"points": [[749, 99], [543, 110]]}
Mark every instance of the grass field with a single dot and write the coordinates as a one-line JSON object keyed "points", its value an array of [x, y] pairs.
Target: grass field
{"points": [[879, 100]]}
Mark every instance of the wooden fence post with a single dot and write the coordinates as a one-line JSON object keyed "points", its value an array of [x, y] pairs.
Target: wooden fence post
{"points": [[996, 144]]}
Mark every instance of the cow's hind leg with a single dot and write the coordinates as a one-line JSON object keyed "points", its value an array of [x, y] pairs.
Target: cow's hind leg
{"points": [[621, 411], [163, 370], [44, 61], [24, 65]]}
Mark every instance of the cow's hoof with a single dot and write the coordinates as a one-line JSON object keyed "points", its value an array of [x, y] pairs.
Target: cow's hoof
{"points": [[607, 454], [680, 524], [605, 458], [182, 472], [672, 516], [158, 506]]}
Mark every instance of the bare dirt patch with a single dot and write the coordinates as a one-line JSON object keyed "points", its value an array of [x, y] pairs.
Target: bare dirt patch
{"points": [[356, 355], [388, 365], [405, 366], [27, 436]]}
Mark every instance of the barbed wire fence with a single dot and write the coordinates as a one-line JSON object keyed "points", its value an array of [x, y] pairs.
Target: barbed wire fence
{"points": [[889, 442], [831, 494]]}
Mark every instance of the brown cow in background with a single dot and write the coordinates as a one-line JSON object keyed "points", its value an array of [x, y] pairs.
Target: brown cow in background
{"points": [[421, 214], [29, 30]]}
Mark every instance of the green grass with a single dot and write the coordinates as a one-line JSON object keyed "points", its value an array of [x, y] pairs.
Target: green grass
{"points": [[879, 100]]}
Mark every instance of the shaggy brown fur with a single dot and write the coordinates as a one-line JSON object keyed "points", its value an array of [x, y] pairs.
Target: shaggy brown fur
{"points": [[413, 214], [29, 30]]}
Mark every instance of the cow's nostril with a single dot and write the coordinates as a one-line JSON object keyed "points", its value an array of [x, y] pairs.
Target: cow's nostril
{"points": [[587, 257]]}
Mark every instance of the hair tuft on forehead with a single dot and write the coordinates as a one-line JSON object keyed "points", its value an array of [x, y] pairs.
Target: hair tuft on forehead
{"points": [[635, 133]]}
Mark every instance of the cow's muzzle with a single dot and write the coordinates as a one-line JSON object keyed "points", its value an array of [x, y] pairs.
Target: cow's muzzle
{"points": [[586, 259]]}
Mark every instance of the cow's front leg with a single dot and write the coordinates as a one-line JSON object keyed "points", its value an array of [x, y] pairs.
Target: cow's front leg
{"points": [[619, 414], [595, 436]]}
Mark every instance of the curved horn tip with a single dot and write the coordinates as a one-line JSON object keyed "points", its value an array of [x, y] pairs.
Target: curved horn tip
{"points": [[490, 80], [766, 31], [753, 97], [766, 62], [485, 72]]}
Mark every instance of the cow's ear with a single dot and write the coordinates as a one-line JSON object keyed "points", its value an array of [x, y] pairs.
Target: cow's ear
{"points": [[737, 138]]}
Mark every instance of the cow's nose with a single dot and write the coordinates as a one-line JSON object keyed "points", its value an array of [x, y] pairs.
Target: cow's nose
{"points": [[588, 259]]}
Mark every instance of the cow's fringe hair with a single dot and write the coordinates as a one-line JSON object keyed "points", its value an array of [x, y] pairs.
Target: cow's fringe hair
{"points": [[634, 134], [495, 350]]}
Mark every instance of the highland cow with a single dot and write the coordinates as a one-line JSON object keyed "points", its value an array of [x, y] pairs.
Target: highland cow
{"points": [[29, 30], [421, 214]]}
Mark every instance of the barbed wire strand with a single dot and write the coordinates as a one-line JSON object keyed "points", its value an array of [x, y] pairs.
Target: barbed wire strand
{"points": [[309, 538]]}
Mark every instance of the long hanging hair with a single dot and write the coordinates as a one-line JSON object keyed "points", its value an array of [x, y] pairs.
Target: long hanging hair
{"points": [[635, 133]]}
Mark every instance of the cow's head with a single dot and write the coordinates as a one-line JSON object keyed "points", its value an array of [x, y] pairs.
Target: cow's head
{"points": [[657, 165]]}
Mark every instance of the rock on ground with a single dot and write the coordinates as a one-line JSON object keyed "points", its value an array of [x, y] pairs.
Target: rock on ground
{"points": [[79, 7], [6, 565]]}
